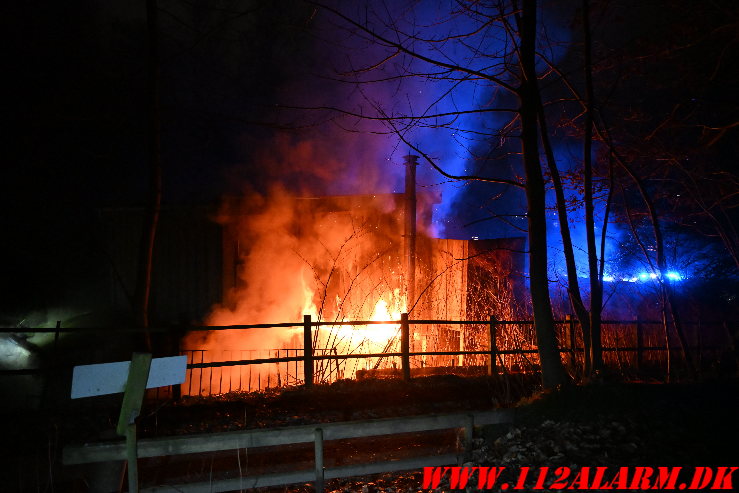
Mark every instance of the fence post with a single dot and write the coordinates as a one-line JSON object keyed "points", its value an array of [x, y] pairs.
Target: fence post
{"points": [[405, 339], [133, 397], [571, 337], [492, 368], [468, 433], [639, 344], [307, 351], [318, 449]]}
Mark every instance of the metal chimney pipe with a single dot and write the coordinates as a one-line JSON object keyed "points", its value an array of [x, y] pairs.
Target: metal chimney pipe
{"points": [[411, 162]]}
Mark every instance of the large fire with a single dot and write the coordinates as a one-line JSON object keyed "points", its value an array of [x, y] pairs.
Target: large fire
{"points": [[374, 338], [336, 260], [340, 260], [383, 332]]}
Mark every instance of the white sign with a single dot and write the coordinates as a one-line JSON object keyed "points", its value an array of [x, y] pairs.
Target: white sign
{"points": [[110, 378]]}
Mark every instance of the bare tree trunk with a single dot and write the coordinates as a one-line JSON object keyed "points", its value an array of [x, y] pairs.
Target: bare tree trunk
{"points": [[151, 219], [604, 230], [573, 284], [596, 283], [552, 370], [666, 326]]}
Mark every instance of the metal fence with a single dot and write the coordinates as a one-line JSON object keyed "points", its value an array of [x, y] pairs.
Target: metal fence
{"points": [[629, 346], [500, 347]]}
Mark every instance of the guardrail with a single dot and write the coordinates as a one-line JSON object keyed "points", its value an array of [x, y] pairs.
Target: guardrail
{"points": [[318, 434]]}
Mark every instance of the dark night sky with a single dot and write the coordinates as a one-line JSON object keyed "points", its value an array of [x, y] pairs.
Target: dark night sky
{"points": [[76, 111]]}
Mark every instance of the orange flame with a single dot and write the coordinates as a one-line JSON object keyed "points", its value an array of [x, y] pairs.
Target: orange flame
{"points": [[376, 336]]}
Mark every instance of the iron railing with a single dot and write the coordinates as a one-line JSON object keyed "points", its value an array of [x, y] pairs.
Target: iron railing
{"points": [[629, 344]]}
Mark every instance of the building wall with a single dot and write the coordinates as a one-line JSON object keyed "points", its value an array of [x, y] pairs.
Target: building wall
{"points": [[466, 280], [187, 275], [197, 260]]}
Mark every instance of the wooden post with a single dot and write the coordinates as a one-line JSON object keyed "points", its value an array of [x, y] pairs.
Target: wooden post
{"points": [[469, 433], [318, 448], [492, 364], [639, 345], [132, 459], [307, 351], [138, 375], [464, 440], [405, 338], [571, 337]]}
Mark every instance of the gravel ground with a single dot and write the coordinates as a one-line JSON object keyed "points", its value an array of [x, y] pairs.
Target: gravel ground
{"points": [[611, 425]]}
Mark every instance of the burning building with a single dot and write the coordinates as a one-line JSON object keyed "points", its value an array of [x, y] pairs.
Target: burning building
{"points": [[278, 257], [348, 258]]}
